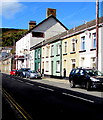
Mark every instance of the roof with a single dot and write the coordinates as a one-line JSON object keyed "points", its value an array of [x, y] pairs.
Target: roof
{"points": [[51, 16], [83, 27], [50, 40], [71, 32]]}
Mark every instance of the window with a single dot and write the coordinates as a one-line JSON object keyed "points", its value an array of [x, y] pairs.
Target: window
{"points": [[93, 62], [94, 40], [37, 34], [38, 53], [83, 43], [81, 72], [58, 49], [43, 53], [73, 63], [65, 47], [47, 50], [39, 66], [47, 66], [73, 45], [58, 66], [52, 50]]}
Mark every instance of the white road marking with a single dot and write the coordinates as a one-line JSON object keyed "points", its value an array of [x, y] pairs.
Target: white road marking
{"points": [[19, 80], [78, 97], [45, 88], [29, 83]]}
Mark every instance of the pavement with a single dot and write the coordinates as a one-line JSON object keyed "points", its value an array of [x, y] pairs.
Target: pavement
{"points": [[64, 83]]}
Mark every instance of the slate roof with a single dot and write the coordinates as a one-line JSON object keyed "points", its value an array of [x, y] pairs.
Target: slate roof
{"points": [[83, 27], [51, 16], [71, 32]]}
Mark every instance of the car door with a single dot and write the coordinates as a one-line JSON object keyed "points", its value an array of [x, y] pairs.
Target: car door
{"points": [[76, 76], [81, 77]]}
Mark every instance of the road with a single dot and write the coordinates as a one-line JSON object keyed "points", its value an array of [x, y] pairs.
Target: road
{"points": [[36, 101]]}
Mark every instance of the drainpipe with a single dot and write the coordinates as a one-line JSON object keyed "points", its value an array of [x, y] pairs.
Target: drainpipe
{"points": [[97, 20]]}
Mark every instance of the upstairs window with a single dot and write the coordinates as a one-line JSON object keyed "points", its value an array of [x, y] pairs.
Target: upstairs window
{"points": [[83, 43], [94, 40], [52, 50], [73, 45], [58, 49], [38, 34], [65, 47]]}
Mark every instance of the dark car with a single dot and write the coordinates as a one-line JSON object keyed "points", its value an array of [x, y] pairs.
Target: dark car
{"points": [[89, 78], [22, 72], [33, 74]]}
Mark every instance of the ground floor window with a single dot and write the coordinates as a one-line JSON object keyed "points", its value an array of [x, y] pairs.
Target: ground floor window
{"points": [[47, 66], [73, 63], [93, 62], [58, 66]]}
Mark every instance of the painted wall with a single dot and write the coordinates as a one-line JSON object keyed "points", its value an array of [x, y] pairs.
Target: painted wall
{"points": [[37, 61], [70, 57], [56, 59], [46, 60], [50, 28]]}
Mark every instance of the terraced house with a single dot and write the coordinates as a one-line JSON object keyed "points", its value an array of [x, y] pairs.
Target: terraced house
{"points": [[54, 50], [79, 47]]}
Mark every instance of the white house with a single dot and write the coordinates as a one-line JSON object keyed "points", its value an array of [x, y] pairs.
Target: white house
{"points": [[87, 53], [46, 29]]}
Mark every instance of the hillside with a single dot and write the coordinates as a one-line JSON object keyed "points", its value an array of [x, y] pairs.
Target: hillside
{"points": [[9, 36]]}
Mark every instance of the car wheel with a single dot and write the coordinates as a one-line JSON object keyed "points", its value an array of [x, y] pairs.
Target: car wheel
{"points": [[72, 85], [88, 86]]}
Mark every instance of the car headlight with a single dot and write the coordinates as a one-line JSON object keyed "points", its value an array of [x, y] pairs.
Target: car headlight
{"points": [[94, 79]]}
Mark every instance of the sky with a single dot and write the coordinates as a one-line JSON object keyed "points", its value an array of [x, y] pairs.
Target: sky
{"points": [[17, 13]]}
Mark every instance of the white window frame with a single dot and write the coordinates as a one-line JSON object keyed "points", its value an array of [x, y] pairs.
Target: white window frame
{"points": [[57, 66], [73, 49], [58, 48], [94, 40], [83, 43], [52, 50], [65, 47], [73, 62]]}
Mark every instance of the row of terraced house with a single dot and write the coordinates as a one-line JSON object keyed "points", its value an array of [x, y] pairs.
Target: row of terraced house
{"points": [[53, 49]]}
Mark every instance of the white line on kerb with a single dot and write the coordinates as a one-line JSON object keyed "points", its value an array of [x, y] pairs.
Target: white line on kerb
{"points": [[45, 88], [29, 83], [78, 97]]}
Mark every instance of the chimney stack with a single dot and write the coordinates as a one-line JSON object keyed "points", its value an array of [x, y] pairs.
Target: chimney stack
{"points": [[32, 24], [50, 11]]}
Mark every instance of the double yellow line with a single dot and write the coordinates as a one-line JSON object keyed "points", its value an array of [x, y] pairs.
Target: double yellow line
{"points": [[22, 112]]}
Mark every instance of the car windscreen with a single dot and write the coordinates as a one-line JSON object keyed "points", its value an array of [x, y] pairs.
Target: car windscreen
{"points": [[94, 72]]}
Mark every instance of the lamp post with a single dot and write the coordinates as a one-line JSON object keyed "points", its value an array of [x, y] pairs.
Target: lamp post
{"points": [[97, 36]]}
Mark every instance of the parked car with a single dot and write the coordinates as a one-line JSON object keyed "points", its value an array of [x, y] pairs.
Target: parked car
{"points": [[33, 74], [89, 78], [22, 72], [13, 72]]}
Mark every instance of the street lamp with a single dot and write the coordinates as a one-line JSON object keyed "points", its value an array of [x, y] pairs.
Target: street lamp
{"points": [[97, 21]]}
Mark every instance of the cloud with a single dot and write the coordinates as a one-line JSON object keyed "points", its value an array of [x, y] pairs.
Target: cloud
{"points": [[9, 9]]}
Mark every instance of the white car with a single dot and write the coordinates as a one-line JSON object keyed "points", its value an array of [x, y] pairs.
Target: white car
{"points": [[33, 74]]}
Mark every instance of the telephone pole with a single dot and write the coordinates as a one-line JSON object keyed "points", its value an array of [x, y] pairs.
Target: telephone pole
{"points": [[97, 36]]}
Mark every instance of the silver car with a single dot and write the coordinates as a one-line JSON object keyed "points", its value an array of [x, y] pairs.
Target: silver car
{"points": [[33, 74]]}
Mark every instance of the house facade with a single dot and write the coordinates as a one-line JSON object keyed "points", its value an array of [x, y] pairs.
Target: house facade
{"points": [[79, 47], [49, 28], [46, 29], [70, 53]]}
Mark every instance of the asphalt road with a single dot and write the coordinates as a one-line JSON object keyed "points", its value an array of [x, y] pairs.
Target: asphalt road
{"points": [[39, 101]]}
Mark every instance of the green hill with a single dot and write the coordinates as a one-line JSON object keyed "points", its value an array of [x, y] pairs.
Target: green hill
{"points": [[9, 36]]}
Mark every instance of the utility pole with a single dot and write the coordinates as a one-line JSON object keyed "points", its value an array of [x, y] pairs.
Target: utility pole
{"points": [[97, 36]]}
